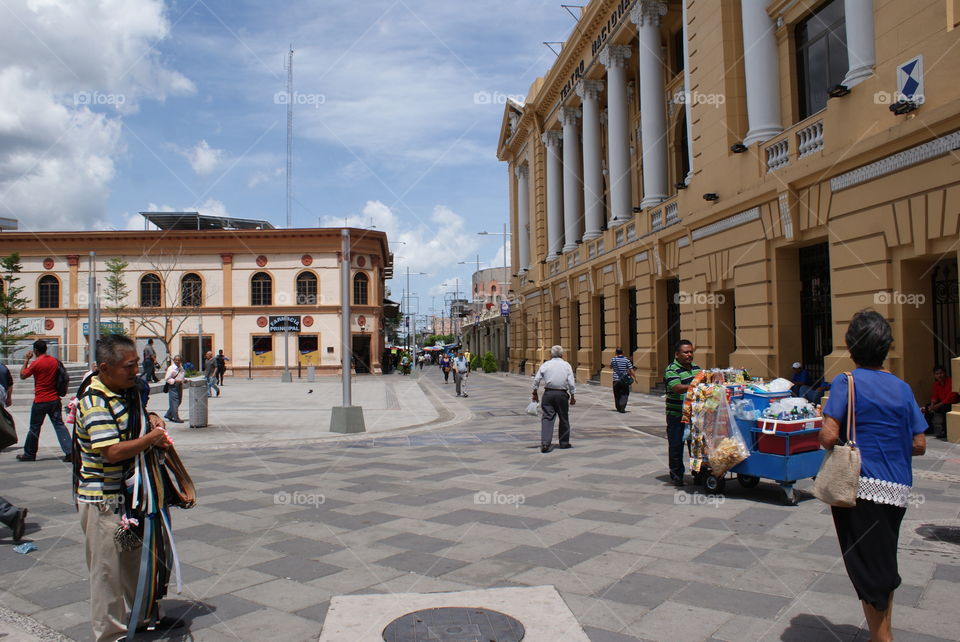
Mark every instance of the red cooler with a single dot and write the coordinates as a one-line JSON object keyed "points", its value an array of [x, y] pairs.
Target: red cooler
{"points": [[775, 444]]}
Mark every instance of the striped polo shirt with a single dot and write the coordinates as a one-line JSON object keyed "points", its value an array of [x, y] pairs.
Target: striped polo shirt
{"points": [[621, 367], [96, 429], [676, 374]]}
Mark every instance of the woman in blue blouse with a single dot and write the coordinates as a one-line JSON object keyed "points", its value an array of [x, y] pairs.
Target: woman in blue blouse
{"points": [[889, 431]]}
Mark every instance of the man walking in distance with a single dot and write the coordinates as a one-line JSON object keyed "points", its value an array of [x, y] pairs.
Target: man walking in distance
{"points": [[623, 377], [108, 445], [461, 370], [46, 401], [174, 380], [149, 362], [210, 372], [559, 388], [678, 376], [221, 367]]}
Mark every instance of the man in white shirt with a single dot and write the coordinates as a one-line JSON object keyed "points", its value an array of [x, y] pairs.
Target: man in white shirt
{"points": [[174, 381], [559, 388], [461, 369]]}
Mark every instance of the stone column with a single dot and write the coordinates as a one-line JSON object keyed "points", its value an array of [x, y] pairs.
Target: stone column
{"points": [[614, 58], [687, 104], [593, 198], [861, 47], [572, 179], [761, 66], [551, 139], [523, 217], [646, 15]]}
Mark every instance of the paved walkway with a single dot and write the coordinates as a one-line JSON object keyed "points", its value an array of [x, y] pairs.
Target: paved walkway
{"points": [[471, 503]]}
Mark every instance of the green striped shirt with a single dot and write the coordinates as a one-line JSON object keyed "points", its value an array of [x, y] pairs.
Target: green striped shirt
{"points": [[96, 429], [676, 374]]}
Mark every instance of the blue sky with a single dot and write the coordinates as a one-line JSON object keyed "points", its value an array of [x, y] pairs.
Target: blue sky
{"points": [[112, 107]]}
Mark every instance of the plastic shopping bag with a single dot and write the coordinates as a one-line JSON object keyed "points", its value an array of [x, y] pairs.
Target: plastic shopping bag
{"points": [[726, 446], [533, 408]]}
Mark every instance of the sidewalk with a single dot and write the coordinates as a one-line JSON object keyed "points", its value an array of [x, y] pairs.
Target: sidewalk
{"points": [[280, 531]]}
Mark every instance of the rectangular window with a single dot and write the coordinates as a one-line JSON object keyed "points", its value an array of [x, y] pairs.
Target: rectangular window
{"points": [[821, 41], [678, 59]]}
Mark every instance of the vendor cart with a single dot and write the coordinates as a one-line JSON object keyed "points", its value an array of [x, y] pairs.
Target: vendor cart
{"points": [[792, 458]]}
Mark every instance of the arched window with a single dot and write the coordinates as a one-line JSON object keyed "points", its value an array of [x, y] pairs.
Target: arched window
{"points": [[48, 292], [306, 288], [360, 282], [261, 289], [149, 291], [191, 291]]}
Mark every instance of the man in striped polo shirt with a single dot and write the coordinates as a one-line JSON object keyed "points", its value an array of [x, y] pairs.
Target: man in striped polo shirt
{"points": [[623, 377], [678, 376]]}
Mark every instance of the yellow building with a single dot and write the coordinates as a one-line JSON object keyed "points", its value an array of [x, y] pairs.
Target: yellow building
{"points": [[745, 174], [233, 282]]}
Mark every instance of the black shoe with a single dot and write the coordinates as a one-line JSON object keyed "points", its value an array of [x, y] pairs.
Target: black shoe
{"points": [[68, 458], [466, 395], [19, 524], [177, 421], [25, 458], [621, 410], [678, 483], [567, 445], [544, 448], [163, 624]]}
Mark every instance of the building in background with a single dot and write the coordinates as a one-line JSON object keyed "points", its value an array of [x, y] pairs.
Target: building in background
{"points": [[240, 280], [485, 323], [744, 174]]}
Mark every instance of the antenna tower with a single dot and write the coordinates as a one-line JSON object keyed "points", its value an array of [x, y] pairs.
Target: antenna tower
{"points": [[290, 137]]}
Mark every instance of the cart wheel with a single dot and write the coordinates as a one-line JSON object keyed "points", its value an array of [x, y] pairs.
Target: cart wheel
{"points": [[748, 481], [698, 477], [790, 496], [715, 484]]}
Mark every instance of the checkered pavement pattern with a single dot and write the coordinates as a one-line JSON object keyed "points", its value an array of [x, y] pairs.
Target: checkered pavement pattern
{"points": [[279, 531]]}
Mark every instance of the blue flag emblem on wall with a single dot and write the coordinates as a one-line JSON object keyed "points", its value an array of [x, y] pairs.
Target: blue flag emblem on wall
{"points": [[910, 80]]}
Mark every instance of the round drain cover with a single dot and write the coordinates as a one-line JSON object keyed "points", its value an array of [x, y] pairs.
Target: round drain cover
{"points": [[935, 533], [454, 624]]}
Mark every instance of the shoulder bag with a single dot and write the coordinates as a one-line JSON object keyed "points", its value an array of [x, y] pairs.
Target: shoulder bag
{"points": [[839, 475], [8, 429]]}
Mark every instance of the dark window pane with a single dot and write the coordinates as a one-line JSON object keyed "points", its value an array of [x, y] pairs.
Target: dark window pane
{"points": [[360, 289], [306, 289], [261, 289], [150, 291], [821, 56], [191, 291], [48, 292]]}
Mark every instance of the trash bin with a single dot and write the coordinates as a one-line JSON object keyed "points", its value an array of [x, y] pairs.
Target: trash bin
{"points": [[197, 387]]}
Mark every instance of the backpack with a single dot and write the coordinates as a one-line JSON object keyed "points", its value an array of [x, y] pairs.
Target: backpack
{"points": [[62, 379]]}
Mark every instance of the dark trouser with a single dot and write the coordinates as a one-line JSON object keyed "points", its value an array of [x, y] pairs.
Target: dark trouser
{"points": [[621, 392], [555, 404], [675, 447], [173, 396], [220, 375], [38, 411], [446, 375], [149, 370], [458, 378], [8, 512]]}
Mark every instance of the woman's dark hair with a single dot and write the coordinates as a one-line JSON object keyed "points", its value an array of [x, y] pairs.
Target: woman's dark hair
{"points": [[868, 338]]}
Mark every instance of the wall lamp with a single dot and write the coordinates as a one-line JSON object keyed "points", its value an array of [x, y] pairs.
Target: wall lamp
{"points": [[838, 91], [711, 196], [680, 185], [738, 148], [902, 107], [637, 210]]}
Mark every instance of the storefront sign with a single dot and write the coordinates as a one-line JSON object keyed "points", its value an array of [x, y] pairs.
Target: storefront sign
{"points": [[106, 327], [282, 322], [32, 325], [608, 28], [504, 308]]}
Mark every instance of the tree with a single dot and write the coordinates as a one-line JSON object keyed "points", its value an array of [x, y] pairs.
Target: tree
{"points": [[11, 302], [166, 319], [117, 290]]}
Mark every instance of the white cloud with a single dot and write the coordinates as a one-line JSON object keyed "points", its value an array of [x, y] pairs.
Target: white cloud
{"points": [[263, 176], [69, 71], [203, 158], [210, 207]]}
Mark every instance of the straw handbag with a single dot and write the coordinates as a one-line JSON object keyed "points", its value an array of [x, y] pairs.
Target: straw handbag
{"points": [[839, 474]]}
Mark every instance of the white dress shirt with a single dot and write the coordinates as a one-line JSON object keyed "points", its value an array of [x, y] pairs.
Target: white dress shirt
{"points": [[557, 375]]}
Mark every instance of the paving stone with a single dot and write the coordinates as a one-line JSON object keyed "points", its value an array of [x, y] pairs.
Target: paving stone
{"points": [[284, 595], [642, 589], [422, 543], [304, 547], [601, 635], [735, 601], [590, 544], [680, 622], [59, 595], [423, 563], [466, 516], [609, 516], [732, 555], [296, 568], [548, 557]]}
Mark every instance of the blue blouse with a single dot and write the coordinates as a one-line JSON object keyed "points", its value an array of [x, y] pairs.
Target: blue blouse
{"points": [[887, 417]]}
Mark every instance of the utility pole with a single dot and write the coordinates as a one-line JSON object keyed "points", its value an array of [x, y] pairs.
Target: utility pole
{"points": [[290, 137], [346, 418], [92, 311]]}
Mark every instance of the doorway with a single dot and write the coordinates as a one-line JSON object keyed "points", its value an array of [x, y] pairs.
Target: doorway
{"points": [[191, 352], [308, 349], [361, 353], [946, 312], [815, 309], [725, 327]]}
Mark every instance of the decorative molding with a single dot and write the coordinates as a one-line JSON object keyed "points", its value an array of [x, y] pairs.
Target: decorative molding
{"points": [[896, 162], [648, 12], [683, 241], [589, 89], [607, 269], [614, 55], [642, 256], [723, 224], [581, 278], [568, 115], [521, 171], [552, 138], [786, 222]]}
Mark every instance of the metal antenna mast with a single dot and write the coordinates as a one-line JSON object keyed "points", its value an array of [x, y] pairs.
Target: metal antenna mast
{"points": [[290, 137]]}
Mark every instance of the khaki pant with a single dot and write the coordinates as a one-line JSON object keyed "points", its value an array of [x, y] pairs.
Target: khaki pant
{"points": [[113, 574]]}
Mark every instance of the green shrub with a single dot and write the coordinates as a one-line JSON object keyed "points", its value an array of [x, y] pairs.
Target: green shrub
{"points": [[474, 362], [489, 362]]}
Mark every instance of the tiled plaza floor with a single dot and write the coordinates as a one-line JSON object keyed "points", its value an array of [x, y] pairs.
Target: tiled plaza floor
{"points": [[279, 531]]}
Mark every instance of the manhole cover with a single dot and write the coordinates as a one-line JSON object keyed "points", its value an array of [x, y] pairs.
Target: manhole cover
{"points": [[932, 532], [454, 624]]}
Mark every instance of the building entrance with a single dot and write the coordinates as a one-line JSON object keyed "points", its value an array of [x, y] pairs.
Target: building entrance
{"points": [[815, 311], [361, 353], [191, 352], [946, 313]]}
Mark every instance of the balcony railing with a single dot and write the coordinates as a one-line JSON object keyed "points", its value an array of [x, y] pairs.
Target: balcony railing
{"points": [[810, 139], [807, 139]]}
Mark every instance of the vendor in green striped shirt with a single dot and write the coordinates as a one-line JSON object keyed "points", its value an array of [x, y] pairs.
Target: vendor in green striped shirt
{"points": [[678, 376]]}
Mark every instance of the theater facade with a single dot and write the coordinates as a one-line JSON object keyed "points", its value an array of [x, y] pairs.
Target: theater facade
{"points": [[239, 286], [746, 174]]}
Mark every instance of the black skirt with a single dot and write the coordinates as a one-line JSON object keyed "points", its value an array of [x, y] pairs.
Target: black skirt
{"points": [[868, 535]]}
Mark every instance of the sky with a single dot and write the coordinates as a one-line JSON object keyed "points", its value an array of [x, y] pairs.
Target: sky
{"points": [[112, 107]]}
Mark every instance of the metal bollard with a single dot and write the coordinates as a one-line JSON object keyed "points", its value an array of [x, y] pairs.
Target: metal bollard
{"points": [[310, 371], [197, 387]]}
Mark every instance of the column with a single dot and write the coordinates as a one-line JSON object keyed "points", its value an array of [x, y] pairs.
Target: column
{"points": [[594, 204], [551, 139], [687, 106], [761, 66], [861, 48], [653, 115], [523, 217], [572, 178], [614, 58]]}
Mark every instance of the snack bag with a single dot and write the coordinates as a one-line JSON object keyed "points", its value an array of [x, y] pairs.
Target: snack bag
{"points": [[726, 446]]}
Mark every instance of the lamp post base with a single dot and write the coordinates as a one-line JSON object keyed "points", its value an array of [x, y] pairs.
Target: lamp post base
{"points": [[347, 419]]}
